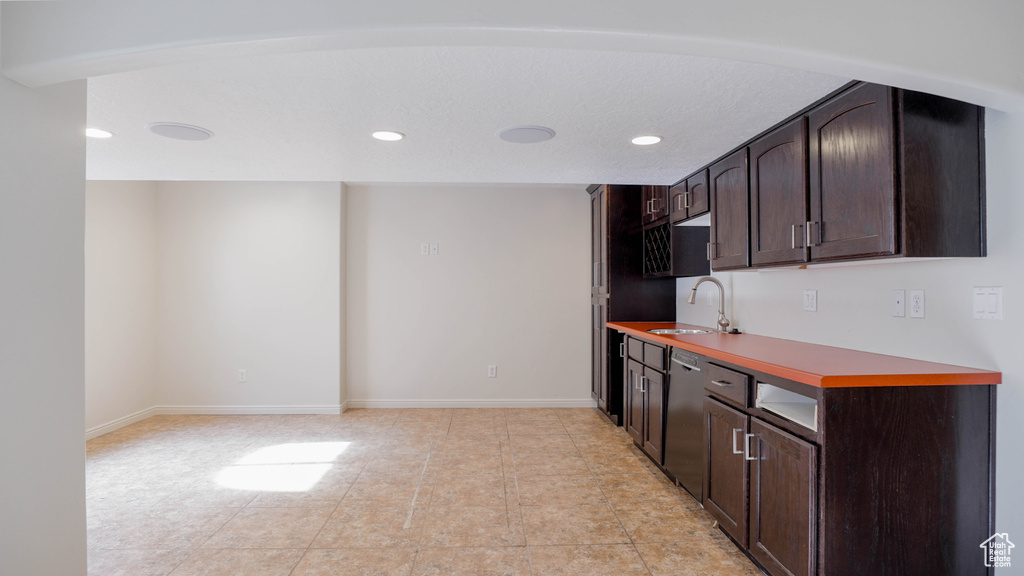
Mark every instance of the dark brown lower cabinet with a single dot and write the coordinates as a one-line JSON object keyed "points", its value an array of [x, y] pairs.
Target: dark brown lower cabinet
{"points": [[849, 481], [760, 483], [726, 472], [599, 390], [653, 388], [645, 397], [634, 401], [783, 500]]}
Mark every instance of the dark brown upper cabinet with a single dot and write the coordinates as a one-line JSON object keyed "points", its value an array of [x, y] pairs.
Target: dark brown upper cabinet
{"points": [[853, 176], [689, 198], [698, 196], [656, 204], [868, 172], [778, 196], [677, 197], [729, 248]]}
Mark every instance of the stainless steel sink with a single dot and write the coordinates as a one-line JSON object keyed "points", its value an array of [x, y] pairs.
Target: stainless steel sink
{"points": [[678, 331]]}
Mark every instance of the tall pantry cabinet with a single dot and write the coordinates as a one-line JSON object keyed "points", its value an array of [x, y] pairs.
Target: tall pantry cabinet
{"points": [[619, 292]]}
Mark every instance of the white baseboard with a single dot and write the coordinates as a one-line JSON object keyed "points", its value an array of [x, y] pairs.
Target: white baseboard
{"points": [[331, 409], [211, 410], [549, 403], [248, 410], [102, 429]]}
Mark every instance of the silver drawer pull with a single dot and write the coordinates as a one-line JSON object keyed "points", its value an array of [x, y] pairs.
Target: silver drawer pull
{"points": [[746, 446], [735, 449], [721, 383], [622, 350]]}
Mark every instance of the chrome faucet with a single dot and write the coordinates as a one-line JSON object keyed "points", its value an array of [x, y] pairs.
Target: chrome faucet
{"points": [[723, 322]]}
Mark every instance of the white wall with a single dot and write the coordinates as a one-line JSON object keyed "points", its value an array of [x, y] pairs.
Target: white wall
{"points": [[42, 443], [249, 278], [509, 287], [120, 302], [854, 307]]}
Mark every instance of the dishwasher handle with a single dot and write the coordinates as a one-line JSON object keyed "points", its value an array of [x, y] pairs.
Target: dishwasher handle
{"points": [[685, 365]]}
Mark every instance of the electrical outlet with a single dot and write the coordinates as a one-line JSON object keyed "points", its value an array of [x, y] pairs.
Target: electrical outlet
{"points": [[899, 303], [917, 303], [811, 300], [242, 375], [424, 249], [433, 249], [492, 371]]}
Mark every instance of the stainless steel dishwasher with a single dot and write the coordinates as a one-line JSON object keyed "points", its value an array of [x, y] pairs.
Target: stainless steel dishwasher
{"points": [[684, 430]]}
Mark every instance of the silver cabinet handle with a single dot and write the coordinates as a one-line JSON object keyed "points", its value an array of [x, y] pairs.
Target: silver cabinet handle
{"points": [[622, 350], [642, 380], [746, 446], [809, 235], [686, 200], [709, 251], [721, 383], [792, 242], [735, 449]]}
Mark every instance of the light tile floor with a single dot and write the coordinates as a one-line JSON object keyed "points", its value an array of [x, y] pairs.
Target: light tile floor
{"points": [[416, 492]]}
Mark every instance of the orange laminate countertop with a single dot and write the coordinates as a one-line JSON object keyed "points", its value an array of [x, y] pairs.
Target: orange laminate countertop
{"points": [[813, 364]]}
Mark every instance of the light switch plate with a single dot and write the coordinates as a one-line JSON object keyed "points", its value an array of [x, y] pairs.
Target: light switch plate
{"points": [[811, 300], [988, 302], [917, 303], [425, 249], [899, 303]]}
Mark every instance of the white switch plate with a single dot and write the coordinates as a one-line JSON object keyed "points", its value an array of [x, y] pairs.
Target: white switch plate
{"points": [[811, 300], [424, 249], [433, 249], [917, 303], [899, 303], [492, 371], [243, 376], [988, 302]]}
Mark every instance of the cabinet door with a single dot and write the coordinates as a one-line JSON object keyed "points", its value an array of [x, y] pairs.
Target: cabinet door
{"points": [[729, 212], [778, 196], [655, 203], [599, 241], [725, 472], [697, 194], [599, 354], [783, 501], [634, 402], [654, 414], [677, 198], [853, 167]]}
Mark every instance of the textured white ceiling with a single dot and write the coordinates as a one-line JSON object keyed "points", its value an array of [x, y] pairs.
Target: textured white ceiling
{"points": [[308, 116]]}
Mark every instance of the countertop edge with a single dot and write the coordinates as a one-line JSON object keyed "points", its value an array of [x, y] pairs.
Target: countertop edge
{"points": [[944, 374]]}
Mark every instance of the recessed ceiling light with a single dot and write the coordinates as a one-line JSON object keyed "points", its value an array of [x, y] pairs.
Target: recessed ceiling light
{"points": [[646, 140], [526, 134], [179, 131], [97, 133], [388, 135]]}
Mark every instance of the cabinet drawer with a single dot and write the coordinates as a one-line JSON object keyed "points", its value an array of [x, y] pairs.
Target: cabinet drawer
{"points": [[635, 349], [727, 384], [654, 356]]}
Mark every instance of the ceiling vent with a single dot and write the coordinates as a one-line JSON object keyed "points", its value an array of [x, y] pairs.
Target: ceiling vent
{"points": [[526, 134]]}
